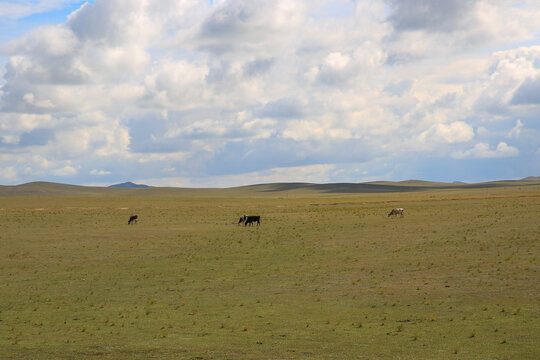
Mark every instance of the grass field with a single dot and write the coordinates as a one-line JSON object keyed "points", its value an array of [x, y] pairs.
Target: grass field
{"points": [[325, 276]]}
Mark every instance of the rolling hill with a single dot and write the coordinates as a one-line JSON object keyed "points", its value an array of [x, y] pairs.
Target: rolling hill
{"points": [[41, 188]]}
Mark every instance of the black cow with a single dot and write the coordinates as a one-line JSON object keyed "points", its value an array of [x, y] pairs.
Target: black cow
{"points": [[251, 219], [132, 219]]}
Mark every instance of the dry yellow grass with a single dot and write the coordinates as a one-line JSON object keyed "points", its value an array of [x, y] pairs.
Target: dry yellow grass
{"points": [[325, 276]]}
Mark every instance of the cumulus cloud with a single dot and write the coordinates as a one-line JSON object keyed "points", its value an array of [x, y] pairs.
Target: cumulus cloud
{"points": [[99, 172], [483, 151], [65, 171], [186, 89], [428, 29], [435, 15], [8, 173], [512, 81], [339, 68], [455, 132], [249, 26], [516, 130], [176, 83]]}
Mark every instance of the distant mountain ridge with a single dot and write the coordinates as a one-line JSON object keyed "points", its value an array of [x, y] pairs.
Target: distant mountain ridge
{"points": [[129, 184], [39, 188]]}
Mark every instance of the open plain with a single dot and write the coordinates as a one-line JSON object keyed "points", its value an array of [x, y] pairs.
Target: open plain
{"points": [[327, 274]]}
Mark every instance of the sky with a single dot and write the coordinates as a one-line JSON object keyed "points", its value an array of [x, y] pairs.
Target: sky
{"points": [[233, 92]]}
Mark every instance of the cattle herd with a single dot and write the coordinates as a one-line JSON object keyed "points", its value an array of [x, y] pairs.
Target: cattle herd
{"points": [[251, 219]]}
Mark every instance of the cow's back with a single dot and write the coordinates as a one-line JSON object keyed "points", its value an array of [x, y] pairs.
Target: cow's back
{"points": [[251, 219]]}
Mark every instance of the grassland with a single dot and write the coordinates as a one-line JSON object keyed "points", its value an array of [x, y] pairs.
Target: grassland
{"points": [[326, 276]]}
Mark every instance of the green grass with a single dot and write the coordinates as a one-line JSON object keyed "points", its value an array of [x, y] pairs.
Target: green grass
{"points": [[325, 276]]}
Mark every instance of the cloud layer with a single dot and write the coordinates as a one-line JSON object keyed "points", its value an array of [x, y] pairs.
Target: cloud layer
{"points": [[199, 94]]}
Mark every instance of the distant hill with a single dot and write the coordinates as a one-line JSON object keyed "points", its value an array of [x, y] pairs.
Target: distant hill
{"points": [[129, 184], [41, 188], [350, 188]]}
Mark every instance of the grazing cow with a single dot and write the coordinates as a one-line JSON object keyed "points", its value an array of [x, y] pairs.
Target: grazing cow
{"points": [[251, 219], [242, 219], [397, 211], [132, 219]]}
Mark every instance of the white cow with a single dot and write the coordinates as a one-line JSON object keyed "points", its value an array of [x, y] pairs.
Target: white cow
{"points": [[397, 211]]}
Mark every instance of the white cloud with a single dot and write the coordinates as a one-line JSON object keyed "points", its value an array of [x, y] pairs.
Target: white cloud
{"points": [[250, 26], [176, 84], [102, 140], [184, 89], [511, 81], [8, 173], [483, 151], [338, 68], [65, 171], [455, 132], [44, 103], [441, 28], [302, 130], [99, 172], [516, 130]]}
